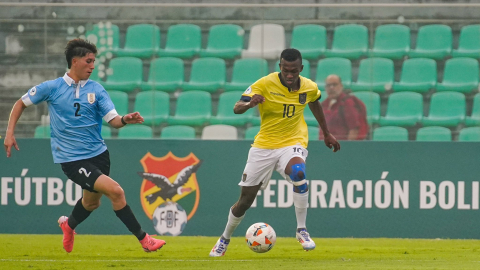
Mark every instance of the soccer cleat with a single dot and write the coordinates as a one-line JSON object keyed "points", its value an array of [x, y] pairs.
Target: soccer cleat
{"points": [[68, 234], [304, 238], [150, 244], [220, 247]]}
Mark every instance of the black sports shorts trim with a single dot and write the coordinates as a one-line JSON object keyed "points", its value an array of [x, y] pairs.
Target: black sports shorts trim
{"points": [[86, 171]]}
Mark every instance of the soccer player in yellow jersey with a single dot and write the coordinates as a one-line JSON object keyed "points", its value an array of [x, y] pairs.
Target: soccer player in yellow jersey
{"points": [[281, 142]]}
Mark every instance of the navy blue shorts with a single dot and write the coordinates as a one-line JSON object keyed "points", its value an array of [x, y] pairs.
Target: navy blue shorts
{"points": [[86, 171]]}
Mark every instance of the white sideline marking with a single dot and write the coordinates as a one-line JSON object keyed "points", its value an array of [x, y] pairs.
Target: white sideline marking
{"points": [[27, 260]]}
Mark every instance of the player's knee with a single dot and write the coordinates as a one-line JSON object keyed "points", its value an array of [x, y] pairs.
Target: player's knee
{"points": [[117, 193], [298, 176], [303, 188], [298, 172]]}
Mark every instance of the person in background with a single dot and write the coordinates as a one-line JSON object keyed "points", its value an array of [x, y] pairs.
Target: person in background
{"points": [[345, 114]]}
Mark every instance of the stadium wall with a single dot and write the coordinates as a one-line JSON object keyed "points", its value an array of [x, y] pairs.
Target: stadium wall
{"points": [[368, 189]]}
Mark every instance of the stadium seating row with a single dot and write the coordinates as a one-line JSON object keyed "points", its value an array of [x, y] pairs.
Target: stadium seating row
{"points": [[209, 74], [227, 132], [406, 109], [268, 40]]}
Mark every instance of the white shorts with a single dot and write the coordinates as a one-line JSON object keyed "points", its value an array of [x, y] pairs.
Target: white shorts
{"points": [[262, 162]]}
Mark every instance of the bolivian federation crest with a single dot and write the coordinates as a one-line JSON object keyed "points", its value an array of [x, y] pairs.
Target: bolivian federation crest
{"points": [[169, 179]]}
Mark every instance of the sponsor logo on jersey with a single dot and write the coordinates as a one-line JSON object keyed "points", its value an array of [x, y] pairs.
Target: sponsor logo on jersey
{"points": [[277, 94], [33, 91], [169, 179], [302, 98], [91, 98]]}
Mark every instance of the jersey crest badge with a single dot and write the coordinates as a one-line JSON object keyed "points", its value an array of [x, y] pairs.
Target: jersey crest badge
{"points": [[91, 98], [302, 98], [248, 91]]}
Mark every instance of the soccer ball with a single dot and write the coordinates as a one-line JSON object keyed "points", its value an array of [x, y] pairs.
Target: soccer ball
{"points": [[169, 219], [260, 237]]}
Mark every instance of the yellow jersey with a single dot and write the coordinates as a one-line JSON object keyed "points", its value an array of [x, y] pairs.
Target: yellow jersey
{"points": [[281, 115]]}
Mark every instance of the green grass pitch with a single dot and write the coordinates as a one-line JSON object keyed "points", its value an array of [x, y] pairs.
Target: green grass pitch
{"points": [[191, 252]]}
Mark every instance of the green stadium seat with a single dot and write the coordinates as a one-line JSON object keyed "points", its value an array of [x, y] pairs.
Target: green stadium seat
{"points": [[265, 41], [136, 131], [433, 41], [434, 133], [306, 68], [120, 100], [391, 41], [310, 40], [127, 74], [474, 119], [224, 41], [403, 109], [219, 132], [313, 133], [106, 132], [178, 133], [309, 118], [42, 132], [469, 44], [469, 134], [106, 36], [207, 74], [460, 75], [447, 109], [390, 134], [375, 74], [418, 75], [183, 41], [154, 106], [166, 74], [95, 75], [372, 104], [251, 132], [225, 114], [256, 121], [194, 108], [338, 66], [141, 40], [349, 41], [246, 72]]}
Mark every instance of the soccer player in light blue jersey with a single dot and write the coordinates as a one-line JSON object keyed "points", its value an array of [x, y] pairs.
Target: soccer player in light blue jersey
{"points": [[77, 106]]}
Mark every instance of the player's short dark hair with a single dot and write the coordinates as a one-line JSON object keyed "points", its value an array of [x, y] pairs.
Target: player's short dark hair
{"points": [[291, 55], [78, 47]]}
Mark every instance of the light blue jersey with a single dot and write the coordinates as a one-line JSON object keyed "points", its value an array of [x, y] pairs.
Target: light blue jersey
{"points": [[76, 112]]}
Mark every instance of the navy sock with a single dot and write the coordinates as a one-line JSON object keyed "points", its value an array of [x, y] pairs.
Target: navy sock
{"points": [[78, 215], [128, 218]]}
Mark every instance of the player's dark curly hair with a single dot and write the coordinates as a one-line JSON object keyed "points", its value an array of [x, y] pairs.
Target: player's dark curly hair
{"points": [[291, 55], [78, 47]]}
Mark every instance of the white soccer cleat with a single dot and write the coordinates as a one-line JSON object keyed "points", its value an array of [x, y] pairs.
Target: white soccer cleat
{"points": [[303, 238], [220, 247]]}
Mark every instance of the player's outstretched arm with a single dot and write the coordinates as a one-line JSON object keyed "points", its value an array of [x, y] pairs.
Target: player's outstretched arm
{"points": [[242, 106], [330, 140], [131, 118], [10, 141]]}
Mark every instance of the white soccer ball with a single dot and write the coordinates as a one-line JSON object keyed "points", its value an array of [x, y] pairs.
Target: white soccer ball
{"points": [[260, 237], [169, 219]]}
